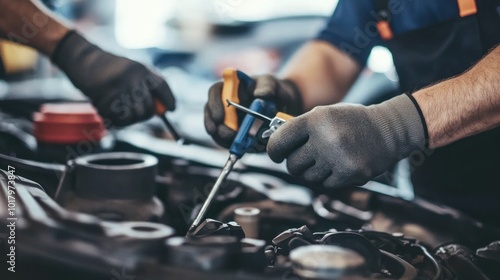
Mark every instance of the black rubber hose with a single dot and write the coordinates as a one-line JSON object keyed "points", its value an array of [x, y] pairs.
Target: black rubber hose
{"points": [[434, 262]]}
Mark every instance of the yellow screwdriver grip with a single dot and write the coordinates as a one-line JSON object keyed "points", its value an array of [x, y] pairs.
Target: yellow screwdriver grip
{"points": [[230, 91]]}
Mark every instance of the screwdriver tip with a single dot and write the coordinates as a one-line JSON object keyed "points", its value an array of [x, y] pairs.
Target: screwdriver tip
{"points": [[190, 232]]}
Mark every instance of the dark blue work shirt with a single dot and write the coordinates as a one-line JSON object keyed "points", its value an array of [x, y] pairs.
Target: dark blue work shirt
{"points": [[352, 27], [432, 42]]}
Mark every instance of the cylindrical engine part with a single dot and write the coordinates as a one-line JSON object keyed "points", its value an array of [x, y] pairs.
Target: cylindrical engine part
{"points": [[248, 219], [115, 186], [116, 176], [211, 253], [327, 262]]}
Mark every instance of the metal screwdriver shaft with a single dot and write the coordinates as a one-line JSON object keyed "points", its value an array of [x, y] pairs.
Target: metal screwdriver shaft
{"points": [[172, 130], [243, 141], [220, 180], [161, 110], [248, 111]]}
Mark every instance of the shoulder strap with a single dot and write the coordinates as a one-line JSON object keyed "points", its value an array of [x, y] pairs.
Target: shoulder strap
{"points": [[384, 29], [467, 7]]}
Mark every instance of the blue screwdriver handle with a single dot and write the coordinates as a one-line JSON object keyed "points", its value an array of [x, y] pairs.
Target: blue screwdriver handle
{"points": [[246, 138]]}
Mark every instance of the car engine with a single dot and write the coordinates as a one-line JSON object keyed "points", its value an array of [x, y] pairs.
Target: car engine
{"points": [[121, 212]]}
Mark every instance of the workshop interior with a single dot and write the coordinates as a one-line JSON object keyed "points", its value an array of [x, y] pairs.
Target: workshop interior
{"points": [[159, 199]]}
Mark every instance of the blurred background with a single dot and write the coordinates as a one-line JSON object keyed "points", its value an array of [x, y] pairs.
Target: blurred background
{"points": [[190, 42]]}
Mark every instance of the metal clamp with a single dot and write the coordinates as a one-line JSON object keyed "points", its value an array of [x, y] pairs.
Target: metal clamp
{"points": [[273, 126]]}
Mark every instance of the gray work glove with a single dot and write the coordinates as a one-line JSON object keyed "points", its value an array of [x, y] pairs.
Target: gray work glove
{"points": [[283, 92], [122, 90], [347, 145]]}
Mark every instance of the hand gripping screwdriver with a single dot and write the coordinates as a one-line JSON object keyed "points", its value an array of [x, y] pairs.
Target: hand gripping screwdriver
{"points": [[245, 139]]}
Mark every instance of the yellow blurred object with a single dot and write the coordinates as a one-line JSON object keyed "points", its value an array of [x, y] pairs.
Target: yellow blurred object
{"points": [[17, 58]]}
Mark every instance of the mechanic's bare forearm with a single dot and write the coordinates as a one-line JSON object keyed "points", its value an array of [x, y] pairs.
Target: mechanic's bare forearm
{"points": [[465, 105], [28, 23], [322, 73]]}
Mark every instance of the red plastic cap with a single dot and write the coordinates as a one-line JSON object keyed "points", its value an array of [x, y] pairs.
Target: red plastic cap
{"points": [[68, 123]]}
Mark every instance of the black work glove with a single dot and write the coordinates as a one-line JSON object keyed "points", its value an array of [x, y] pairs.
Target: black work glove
{"points": [[347, 145], [283, 92], [122, 90]]}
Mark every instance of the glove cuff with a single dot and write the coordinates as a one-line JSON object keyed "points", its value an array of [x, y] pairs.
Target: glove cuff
{"points": [[401, 125], [296, 106], [59, 51], [422, 119]]}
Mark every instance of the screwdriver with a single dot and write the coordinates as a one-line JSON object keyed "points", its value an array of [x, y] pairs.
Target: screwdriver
{"points": [[244, 140], [274, 123], [161, 111]]}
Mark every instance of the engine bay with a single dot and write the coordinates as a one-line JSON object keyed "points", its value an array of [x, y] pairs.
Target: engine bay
{"points": [[122, 213], [82, 198]]}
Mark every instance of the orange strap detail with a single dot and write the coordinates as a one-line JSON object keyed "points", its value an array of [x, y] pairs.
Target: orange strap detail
{"points": [[467, 7], [384, 29]]}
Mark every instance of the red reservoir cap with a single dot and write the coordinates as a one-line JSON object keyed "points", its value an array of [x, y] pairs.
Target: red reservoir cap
{"points": [[68, 123]]}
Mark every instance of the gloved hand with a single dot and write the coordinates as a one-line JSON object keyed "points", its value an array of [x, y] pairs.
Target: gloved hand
{"points": [[283, 92], [122, 90], [347, 145]]}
